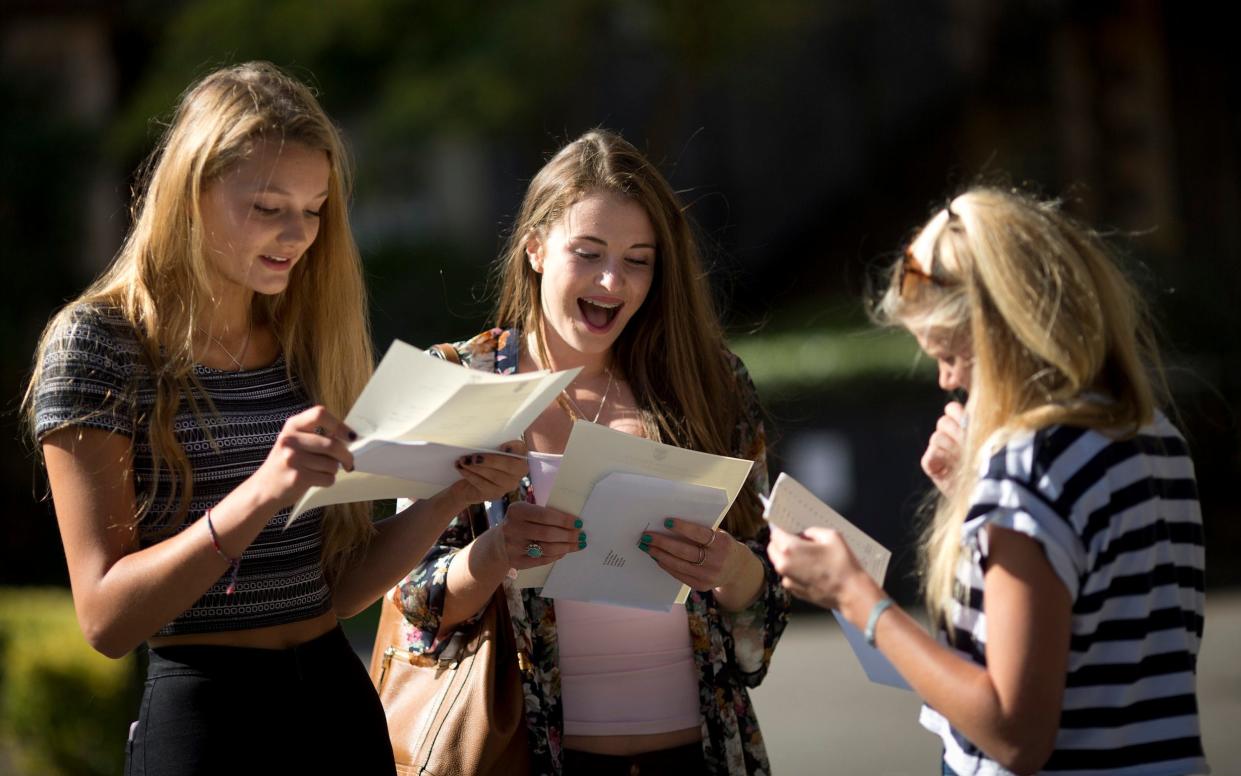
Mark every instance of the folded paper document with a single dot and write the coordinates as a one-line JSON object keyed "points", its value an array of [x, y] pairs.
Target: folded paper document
{"points": [[418, 414], [660, 481], [793, 508]]}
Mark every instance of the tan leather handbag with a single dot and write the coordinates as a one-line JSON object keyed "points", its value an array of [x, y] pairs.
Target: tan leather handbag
{"points": [[462, 712]]}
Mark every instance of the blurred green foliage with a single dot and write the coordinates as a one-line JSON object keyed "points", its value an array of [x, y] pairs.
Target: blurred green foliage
{"points": [[64, 708], [409, 69], [818, 360]]}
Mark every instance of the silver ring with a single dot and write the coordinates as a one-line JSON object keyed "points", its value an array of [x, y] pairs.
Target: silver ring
{"points": [[320, 430], [702, 555], [713, 535], [534, 550]]}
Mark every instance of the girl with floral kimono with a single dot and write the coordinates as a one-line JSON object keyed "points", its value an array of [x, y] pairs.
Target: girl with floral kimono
{"points": [[602, 272]]}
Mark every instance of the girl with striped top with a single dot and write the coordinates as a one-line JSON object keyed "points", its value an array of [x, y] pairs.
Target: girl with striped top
{"points": [[1063, 565], [186, 401]]}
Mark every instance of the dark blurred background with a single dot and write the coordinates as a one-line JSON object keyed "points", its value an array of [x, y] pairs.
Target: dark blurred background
{"points": [[809, 139]]}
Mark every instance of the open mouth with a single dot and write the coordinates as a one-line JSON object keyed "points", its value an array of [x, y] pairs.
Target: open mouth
{"points": [[276, 262], [598, 314]]}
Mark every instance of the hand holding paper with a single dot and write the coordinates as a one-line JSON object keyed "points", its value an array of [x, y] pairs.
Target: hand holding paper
{"points": [[653, 481], [795, 510], [418, 414]]}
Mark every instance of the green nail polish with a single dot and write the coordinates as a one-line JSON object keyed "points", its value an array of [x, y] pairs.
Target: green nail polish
{"points": [[667, 522], [581, 537], [577, 523], [581, 545], [646, 538], [645, 548]]}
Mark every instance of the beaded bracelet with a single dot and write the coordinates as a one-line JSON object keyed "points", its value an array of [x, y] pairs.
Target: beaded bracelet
{"points": [[234, 564]]}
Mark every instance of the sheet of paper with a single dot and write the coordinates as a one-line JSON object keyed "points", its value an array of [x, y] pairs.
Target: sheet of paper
{"points": [[612, 570], [429, 463], [360, 486], [594, 451], [415, 397], [407, 386], [876, 666], [794, 508]]}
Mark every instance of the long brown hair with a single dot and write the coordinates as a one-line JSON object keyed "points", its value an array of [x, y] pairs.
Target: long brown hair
{"points": [[158, 281], [1053, 324], [672, 350]]}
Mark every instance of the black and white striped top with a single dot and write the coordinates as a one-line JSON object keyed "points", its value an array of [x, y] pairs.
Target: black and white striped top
{"points": [[1120, 523], [95, 375]]}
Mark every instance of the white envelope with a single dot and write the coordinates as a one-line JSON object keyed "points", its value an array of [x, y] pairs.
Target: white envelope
{"points": [[612, 570], [595, 451]]}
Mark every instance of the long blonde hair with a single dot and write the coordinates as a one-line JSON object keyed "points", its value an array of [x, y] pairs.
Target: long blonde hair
{"points": [[672, 350], [158, 281], [1052, 322]]}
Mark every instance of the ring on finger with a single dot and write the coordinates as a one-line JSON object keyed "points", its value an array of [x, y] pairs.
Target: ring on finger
{"points": [[533, 550], [702, 555], [320, 430], [714, 534]]}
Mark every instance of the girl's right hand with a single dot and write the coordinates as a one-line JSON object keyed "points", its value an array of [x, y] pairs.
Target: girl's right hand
{"points": [[943, 450], [527, 526], [309, 451]]}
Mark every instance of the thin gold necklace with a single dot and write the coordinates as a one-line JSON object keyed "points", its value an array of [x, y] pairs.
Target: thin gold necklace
{"points": [[565, 401], [245, 345], [564, 392]]}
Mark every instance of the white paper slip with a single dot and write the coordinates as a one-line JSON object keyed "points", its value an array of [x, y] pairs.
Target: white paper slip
{"points": [[612, 570], [415, 397], [794, 509], [595, 451], [876, 666], [427, 462]]}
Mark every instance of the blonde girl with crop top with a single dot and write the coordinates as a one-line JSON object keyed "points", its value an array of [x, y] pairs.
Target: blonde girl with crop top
{"points": [[186, 400]]}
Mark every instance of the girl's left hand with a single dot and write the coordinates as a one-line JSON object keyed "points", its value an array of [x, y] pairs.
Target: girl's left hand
{"points": [[694, 554], [486, 477], [817, 565]]}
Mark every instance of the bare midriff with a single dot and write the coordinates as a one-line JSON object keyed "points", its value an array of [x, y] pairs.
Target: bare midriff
{"points": [[274, 637]]}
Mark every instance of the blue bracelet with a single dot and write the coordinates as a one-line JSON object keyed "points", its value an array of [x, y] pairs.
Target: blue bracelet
{"points": [[879, 608]]}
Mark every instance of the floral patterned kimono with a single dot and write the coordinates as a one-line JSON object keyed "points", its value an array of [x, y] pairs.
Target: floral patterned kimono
{"points": [[732, 650]]}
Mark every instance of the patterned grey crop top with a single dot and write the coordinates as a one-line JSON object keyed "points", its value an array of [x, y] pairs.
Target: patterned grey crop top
{"points": [[95, 375]]}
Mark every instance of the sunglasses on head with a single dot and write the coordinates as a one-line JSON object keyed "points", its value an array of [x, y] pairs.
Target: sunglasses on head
{"points": [[912, 274]]}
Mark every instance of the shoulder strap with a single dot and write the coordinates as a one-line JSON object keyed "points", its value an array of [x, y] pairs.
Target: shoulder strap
{"points": [[447, 351]]}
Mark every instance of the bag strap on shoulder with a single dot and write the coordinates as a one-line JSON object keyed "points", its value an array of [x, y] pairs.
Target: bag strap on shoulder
{"points": [[447, 351]]}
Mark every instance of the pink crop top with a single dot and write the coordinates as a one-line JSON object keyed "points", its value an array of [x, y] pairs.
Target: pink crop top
{"points": [[625, 671]]}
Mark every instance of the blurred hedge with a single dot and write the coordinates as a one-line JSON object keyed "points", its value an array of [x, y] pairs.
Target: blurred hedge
{"points": [[64, 708], [817, 359]]}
